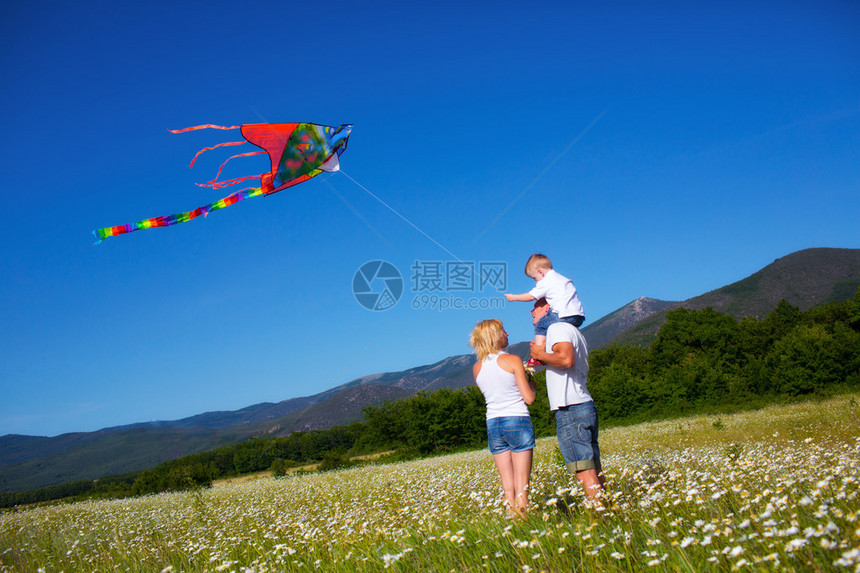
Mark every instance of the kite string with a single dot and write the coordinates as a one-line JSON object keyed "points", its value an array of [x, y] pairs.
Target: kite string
{"points": [[393, 210], [541, 174]]}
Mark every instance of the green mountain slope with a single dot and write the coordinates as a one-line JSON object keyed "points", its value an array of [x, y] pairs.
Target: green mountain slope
{"points": [[601, 332], [115, 453], [804, 279]]}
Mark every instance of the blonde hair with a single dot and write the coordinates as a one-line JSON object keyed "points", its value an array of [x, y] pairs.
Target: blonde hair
{"points": [[538, 261], [487, 337]]}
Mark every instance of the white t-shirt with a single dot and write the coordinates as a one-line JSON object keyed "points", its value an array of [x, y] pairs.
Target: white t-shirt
{"points": [[560, 293], [567, 386], [500, 390]]}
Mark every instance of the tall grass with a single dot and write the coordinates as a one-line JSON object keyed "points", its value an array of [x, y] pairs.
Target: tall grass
{"points": [[765, 490]]}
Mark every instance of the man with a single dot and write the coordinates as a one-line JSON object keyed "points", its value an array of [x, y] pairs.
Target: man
{"points": [[566, 358]]}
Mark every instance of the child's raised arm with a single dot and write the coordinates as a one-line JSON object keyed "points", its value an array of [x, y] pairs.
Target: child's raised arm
{"points": [[525, 297]]}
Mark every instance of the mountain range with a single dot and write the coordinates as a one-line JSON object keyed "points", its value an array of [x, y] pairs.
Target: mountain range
{"points": [[804, 279]]}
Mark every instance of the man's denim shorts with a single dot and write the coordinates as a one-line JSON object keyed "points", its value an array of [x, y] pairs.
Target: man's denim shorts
{"points": [[514, 433], [576, 428], [551, 317]]}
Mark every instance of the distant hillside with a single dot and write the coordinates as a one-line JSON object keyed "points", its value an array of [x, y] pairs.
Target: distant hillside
{"points": [[344, 407], [247, 416], [599, 333], [28, 462], [804, 279], [15, 448], [108, 453]]}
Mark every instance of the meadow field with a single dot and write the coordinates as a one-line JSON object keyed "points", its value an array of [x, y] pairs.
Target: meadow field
{"points": [[770, 489]]}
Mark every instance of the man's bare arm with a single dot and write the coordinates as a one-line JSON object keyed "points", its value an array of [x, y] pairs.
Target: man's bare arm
{"points": [[562, 355]]}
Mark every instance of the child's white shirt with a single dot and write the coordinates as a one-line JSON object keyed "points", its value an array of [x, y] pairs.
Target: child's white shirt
{"points": [[560, 293]]}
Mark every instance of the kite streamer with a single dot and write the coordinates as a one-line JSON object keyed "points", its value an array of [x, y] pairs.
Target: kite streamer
{"points": [[297, 151]]}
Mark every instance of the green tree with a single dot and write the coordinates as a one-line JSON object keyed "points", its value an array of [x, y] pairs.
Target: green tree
{"points": [[618, 392], [543, 419], [333, 460], [690, 332], [810, 358], [278, 467], [387, 425], [447, 419]]}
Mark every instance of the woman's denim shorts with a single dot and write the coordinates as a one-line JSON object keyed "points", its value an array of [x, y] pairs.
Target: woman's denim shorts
{"points": [[514, 433]]}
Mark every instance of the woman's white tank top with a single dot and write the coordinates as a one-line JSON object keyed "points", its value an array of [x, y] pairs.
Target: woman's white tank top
{"points": [[500, 390]]}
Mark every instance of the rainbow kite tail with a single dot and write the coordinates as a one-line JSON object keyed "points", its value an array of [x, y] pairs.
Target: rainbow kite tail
{"points": [[168, 220]]}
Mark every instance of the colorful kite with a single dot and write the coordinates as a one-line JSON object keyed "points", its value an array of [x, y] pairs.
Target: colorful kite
{"points": [[298, 151]]}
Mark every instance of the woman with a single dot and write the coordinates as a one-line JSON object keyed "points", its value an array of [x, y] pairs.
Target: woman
{"points": [[502, 379]]}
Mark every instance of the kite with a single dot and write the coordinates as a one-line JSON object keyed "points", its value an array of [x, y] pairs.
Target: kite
{"points": [[298, 151]]}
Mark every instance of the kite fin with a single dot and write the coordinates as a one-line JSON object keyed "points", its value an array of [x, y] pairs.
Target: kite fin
{"points": [[206, 126], [225, 144], [227, 183], [331, 164], [215, 180]]}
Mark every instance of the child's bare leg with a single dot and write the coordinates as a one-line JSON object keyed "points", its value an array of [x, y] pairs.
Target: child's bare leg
{"points": [[540, 340]]}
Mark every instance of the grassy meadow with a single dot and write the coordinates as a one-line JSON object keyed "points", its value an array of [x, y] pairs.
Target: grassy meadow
{"points": [[768, 489]]}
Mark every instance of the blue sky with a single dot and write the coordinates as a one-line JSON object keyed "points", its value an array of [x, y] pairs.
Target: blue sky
{"points": [[658, 150]]}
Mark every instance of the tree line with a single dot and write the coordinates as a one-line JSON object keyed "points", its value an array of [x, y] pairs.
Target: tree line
{"points": [[703, 360], [700, 361]]}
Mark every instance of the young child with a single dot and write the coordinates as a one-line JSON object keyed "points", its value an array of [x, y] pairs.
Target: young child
{"points": [[558, 291]]}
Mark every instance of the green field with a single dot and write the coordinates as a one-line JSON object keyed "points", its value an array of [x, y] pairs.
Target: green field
{"points": [[762, 490]]}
